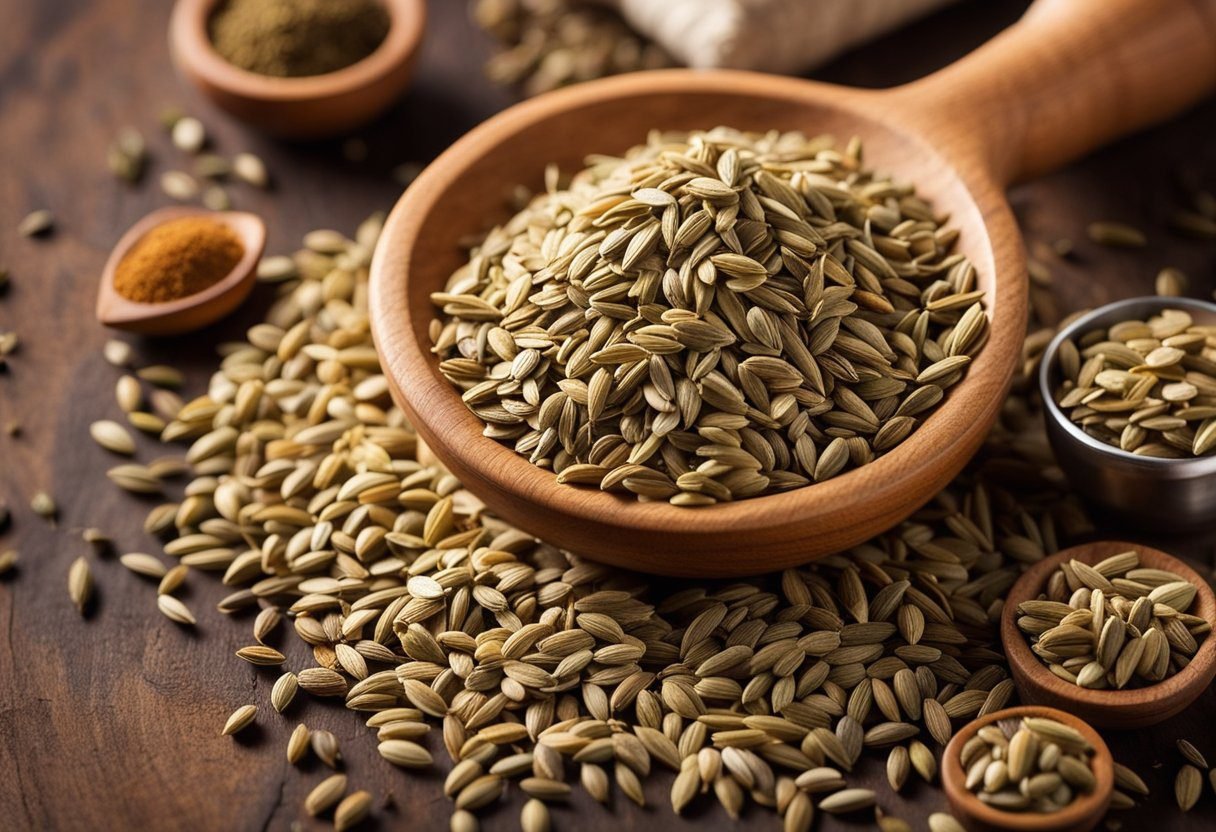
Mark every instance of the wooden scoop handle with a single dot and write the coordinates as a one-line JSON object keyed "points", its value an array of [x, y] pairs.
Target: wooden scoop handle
{"points": [[1070, 76]]}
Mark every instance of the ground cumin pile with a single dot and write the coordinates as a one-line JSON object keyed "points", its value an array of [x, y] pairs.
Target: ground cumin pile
{"points": [[178, 259], [291, 38]]}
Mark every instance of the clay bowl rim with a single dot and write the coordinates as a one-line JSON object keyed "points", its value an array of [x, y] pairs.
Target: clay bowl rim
{"points": [[1106, 707], [413, 371], [192, 47], [1104, 316], [1080, 810], [123, 313]]}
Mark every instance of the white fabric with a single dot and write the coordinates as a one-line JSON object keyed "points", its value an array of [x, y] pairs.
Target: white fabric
{"points": [[786, 36]]}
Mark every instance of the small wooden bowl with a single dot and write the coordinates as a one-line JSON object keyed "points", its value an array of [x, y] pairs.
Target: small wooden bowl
{"points": [[197, 310], [1128, 708], [307, 107], [1081, 815]]}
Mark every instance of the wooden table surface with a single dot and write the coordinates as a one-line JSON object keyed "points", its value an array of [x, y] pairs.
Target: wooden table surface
{"points": [[111, 722]]}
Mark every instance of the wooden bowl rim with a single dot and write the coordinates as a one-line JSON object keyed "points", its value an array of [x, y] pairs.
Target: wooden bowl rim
{"points": [[192, 47], [1186, 685], [1085, 807], [411, 368], [115, 310]]}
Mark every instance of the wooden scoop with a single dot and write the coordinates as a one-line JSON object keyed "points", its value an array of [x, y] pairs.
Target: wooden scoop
{"points": [[197, 310], [1072, 75]]}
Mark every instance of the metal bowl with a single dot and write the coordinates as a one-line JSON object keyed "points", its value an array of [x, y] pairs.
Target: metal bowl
{"points": [[1147, 491]]}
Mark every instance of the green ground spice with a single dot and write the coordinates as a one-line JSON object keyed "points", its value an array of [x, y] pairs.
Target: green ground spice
{"points": [[290, 38]]}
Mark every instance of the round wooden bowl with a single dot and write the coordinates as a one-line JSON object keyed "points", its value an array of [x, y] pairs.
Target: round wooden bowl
{"points": [[306, 107], [948, 134], [197, 310], [1128, 708], [1082, 815]]}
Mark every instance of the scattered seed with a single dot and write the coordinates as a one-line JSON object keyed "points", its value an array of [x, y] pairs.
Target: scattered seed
{"points": [[80, 584], [1188, 785], [112, 436], [189, 134], [175, 610], [250, 169], [325, 795], [36, 223], [1116, 234], [352, 810], [179, 185], [241, 718], [298, 743]]}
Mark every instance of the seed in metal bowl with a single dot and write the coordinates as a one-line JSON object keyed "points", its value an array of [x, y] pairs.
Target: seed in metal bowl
{"points": [[1146, 387]]}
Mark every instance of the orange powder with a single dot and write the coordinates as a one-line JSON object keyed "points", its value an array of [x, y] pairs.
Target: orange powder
{"points": [[178, 259]]}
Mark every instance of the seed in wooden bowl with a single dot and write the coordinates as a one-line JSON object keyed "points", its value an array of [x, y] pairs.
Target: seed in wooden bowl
{"points": [[1029, 765], [1145, 387], [1114, 624], [714, 316]]}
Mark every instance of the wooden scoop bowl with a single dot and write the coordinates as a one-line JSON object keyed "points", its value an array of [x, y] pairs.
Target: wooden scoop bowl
{"points": [[197, 310], [1129, 708], [1082, 815], [1070, 76]]}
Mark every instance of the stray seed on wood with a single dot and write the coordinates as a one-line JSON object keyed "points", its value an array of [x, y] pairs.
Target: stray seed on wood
{"points": [[241, 718], [325, 746], [405, 754], [250, 169], [112, 436], [80, 584], [44, 506], [284, 691], [352, 810], [298, 743], [325, 794], [144, 565], [174, 610], [1192, 754], [534, 817], [847, 800], [179, 185], [189, 134], [260, 654], [942, 822], [8, 560], [96, 538], [215, 198], [118, 353], [1116, 234], [1188, 785], [36, 223]]}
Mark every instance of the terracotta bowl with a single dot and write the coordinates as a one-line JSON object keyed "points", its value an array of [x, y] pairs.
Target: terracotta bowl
{"points": [[299, 108], [1128, 708], [1082, 815], [197, 310]]}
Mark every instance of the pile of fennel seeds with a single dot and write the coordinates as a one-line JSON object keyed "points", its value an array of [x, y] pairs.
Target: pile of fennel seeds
{"points": [[529, 668], [714, 316]]}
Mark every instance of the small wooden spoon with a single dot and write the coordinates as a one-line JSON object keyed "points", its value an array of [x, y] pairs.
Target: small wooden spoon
{"points": [[1082, 815], [1127, 708], [1070, 76], [197, 310]]}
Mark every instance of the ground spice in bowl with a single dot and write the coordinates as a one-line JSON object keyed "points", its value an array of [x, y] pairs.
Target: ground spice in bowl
{"points": [[294, 38], [180, 258]]}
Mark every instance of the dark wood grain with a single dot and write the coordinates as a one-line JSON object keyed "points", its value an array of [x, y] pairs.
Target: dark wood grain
{"points": [[112, 722]]}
